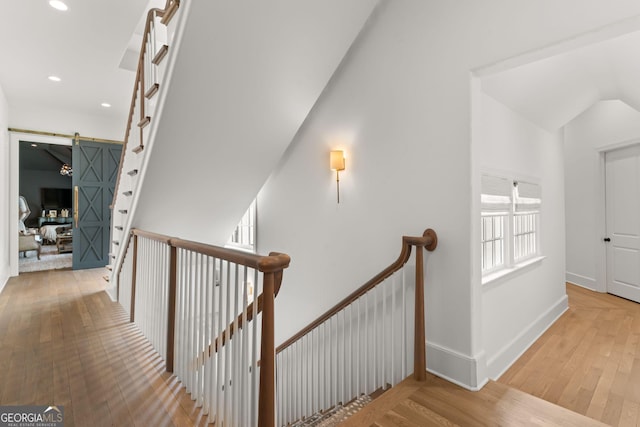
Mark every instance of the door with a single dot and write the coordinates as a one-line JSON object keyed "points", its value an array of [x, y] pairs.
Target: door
{"points": [[95, 169], [622, 177]]}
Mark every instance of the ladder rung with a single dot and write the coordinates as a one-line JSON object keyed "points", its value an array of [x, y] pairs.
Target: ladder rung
{"points": [[162, 52], [152, 91], [144, 122]]}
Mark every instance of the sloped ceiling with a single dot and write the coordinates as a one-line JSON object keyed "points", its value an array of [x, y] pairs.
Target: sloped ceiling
{"points": [[553, 91], [246, 76], [43, 156]]}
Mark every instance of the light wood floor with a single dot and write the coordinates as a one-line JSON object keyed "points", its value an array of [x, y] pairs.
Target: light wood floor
{"points": [[64, 342], [437, 402], [588, 361]]}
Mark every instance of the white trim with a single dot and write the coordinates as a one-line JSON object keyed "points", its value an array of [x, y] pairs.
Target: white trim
{"points": [[582, 281], [165, 84], [505, 272], [601, 218], [3, 282], [601, 227], [14, 190], [458, 368], [606, 32], [499, 363]]}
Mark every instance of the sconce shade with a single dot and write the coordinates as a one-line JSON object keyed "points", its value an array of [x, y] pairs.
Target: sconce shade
{"points": [[336, 160]]}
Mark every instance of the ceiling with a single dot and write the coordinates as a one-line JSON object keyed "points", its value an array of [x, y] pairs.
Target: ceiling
{"points": [[553, 91], [84, 46], [93, 45], [44, 157]]}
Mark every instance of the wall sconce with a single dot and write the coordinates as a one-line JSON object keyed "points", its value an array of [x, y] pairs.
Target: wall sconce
{"points": [[336, 161]]}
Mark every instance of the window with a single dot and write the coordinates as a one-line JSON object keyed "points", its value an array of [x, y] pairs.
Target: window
{"points": [[492, 241], [510, 216], [244, 236], [525, 220]]}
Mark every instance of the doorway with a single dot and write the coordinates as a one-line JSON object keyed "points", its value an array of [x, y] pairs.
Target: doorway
{"points": [[622, 201], [45, 201]]}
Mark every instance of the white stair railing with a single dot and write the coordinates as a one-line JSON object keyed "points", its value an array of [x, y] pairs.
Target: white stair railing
{"points": [[157, 37], [209, 311], [369, 341]]}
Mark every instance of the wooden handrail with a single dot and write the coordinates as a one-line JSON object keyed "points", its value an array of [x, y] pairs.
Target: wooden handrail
{"points": [[139, 72], [428, 240], [170, 7], [275, 261], [271, 266]]}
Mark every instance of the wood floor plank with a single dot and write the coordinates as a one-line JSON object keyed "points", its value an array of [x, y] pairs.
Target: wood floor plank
{"points": [[64, 342], [597, 348]]}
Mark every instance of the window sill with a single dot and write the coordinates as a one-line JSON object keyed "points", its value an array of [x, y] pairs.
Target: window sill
{"points": [[497, 275], [239, 247]]}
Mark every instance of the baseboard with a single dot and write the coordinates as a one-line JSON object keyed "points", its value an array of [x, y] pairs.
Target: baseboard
{"points": [[583, 281], [112, 292], [498, 364], [455, 367], [4, 278]]}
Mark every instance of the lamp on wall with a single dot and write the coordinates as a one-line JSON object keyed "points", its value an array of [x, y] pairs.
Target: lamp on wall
{"points": [[336, 161]]}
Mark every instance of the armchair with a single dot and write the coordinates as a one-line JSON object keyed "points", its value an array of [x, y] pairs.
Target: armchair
{"points": [[26, 238]]}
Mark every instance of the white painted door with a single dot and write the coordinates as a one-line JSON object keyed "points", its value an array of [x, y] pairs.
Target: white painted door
{"points": [[622, 168]]}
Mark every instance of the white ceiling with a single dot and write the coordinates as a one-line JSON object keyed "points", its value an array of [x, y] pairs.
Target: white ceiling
{"points": [[91, 47], [553, 91], [84, 46]]}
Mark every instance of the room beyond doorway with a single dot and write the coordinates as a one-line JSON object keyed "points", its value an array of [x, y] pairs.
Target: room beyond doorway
{"points": [[45, 205]]}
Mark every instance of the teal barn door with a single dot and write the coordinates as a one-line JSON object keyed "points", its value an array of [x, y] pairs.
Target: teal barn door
{"points": [[95, 169]]}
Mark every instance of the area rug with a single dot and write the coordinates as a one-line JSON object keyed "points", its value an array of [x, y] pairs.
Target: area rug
{"points": [[50, 259], [335, 415]]}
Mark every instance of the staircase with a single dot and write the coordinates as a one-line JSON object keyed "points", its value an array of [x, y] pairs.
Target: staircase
{"points": [[151, 75], [227, 96], [179, 150]]}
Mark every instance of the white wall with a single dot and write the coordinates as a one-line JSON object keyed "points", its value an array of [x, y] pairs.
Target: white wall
{"points": [[46, 119], [5, 182], [400, 106], [243, 78], [607, 125], [517, 308]]}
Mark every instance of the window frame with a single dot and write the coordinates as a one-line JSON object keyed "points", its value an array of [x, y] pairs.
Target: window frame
{"points": [[513, 235], [247, 230]]}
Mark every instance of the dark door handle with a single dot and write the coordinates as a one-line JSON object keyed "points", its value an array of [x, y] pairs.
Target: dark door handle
{"points": [[607, 239]]}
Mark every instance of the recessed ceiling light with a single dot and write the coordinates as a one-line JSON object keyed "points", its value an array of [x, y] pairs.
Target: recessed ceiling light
{"points": [[54, 78], [34, 145], [106, 105], [57, 4]]}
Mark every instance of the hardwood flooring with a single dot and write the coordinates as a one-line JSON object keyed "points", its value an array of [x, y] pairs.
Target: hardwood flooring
{"points": [[437, 402], [588, 361], [64, 342]]}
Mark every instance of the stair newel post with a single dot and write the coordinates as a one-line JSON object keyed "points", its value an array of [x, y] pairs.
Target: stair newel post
{"points": [[134, 271], [267, 399], [171, 305], [419, 356]]}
